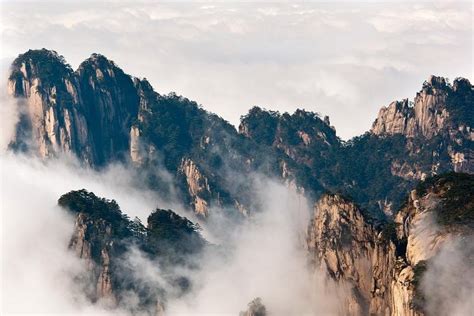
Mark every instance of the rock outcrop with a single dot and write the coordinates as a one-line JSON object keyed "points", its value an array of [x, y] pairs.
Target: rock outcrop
{"points": [[354, 254], [101, 115], [87, 113], [52, 114], [106, 240], [92, 241], [381, 266], [440, 120], [198, 187], [112, 104], [429, 114], [296, 135], [255, 308]]}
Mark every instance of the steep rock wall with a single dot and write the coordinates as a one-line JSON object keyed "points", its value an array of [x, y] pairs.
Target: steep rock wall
{"points": [[354, 254], [379, 265], [426, 117], [198, 187], [87, 113], [52, 115]]}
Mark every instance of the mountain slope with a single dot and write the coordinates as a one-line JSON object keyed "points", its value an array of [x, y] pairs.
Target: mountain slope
{"points": [[102, 115]]}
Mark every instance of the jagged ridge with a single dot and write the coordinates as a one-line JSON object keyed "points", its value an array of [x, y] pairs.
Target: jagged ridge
{"points": [[100, 114]]}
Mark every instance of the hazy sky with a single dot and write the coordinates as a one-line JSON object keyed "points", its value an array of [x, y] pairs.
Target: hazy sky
{"points": [[345, 60]]}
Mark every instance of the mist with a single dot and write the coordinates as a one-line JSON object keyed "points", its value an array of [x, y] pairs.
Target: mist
{"points": [[448, 283], [264, 258], [38, 270], [267, 260]]}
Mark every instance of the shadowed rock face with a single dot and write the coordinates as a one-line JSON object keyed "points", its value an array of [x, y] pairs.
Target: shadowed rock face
{"points": [[382, 266], [52, 113], [87, 113], [112, 103]]}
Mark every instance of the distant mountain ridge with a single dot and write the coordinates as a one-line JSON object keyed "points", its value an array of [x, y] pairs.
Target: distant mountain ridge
{"points": [[100, 114]]}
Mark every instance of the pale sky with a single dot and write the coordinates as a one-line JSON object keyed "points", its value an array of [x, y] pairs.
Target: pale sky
{"points": [[345, 60]]}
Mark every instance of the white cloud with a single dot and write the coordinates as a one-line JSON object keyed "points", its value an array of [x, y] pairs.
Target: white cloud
{"points": [[264, 258], [267, 260], [343, 60]]}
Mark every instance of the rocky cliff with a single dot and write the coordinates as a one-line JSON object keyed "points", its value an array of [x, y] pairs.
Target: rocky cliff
{"points": [[87, 112], [428, 115], [107, 240], [112, 104], [52, 114], [376, 244], [198, 187], [383, 266], [354, 254], [302, 140], [101, 115], [96, 253], [439, 109]]}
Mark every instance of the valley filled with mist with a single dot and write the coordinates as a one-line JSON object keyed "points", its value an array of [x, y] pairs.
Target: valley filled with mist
{"points": [[119, 200]]}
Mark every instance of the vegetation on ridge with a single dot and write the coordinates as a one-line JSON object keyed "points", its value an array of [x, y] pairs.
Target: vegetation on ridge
{"points": [[166, 231], [456, 191]]}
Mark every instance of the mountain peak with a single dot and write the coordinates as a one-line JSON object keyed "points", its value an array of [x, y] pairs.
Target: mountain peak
{"points": [[99, 61], [436, 108], [43, 64], [100, 67], [37, 55], [462, 84], [436, 82]]}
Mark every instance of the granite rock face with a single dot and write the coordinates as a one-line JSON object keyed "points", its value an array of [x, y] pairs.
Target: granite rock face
{"points": [[353, 254], [441, 116], [101, 115], [96, 253], [112, 103], [381, 266], [427, 116], [198, 186], [52, 113], [114, 249], [87, 113]]}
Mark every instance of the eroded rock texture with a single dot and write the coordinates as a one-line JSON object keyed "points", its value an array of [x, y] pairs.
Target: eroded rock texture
{"points": [[381, 266], [115, 250]]}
